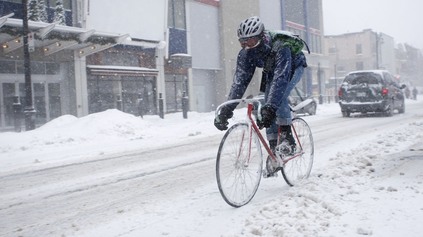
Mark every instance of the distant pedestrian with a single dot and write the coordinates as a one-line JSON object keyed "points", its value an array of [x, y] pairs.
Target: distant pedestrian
{"points": [[415, 92]]}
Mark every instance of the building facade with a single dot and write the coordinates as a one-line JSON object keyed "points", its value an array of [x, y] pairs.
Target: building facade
{"points": [[78, 69], [410, 65], [143, 61], [364, 50], [304, 18], [57, 53], [300, 17]]}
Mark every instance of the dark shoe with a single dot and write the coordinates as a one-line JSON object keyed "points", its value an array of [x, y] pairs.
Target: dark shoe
{"points": [[288, 144], [272, 145], [286, 148]]}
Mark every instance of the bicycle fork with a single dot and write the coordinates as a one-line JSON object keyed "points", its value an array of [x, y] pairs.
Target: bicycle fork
{"points": [[274, 157]]}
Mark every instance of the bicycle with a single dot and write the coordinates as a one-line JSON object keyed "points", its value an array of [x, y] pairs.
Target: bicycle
{"points": [[239, 163]]}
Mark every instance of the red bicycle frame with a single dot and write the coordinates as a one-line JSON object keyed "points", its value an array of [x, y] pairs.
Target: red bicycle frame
{"points": [[254, 126]]}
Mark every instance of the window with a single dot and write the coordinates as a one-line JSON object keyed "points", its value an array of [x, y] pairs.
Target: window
{"points": [[67, 4], [359, 78], [389, 79], [8, 99], [358, 49], [7, 67], [315, 44], [37, 67], [177, 27], [54, 99], [52, 68], [176, 17]]}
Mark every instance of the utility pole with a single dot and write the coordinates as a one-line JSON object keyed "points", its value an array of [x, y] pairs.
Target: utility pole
{"points": [[29, 110], [283, 15], [309, 79], [377, 51], [379, 42], [319, 79], [336, 84]]}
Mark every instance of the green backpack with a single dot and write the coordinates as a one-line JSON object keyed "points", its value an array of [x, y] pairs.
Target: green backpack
{"points": [[282, 39], [293, 41]]}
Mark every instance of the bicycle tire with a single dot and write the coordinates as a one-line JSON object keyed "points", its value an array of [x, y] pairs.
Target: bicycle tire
{"points": [[238, 168], [299, 168]]}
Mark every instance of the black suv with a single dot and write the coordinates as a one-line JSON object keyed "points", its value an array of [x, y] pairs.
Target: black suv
{"points": [[371, 91]]}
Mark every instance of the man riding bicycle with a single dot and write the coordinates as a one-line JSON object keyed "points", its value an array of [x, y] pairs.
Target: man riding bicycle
{"points": [[282, 70]]}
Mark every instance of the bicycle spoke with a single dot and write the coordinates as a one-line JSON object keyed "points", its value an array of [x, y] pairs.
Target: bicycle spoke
{"points": [[239, 165], [298, 168]]}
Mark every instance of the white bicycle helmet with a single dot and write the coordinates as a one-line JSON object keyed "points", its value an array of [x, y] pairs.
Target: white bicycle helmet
{"points": [[250, 27]]}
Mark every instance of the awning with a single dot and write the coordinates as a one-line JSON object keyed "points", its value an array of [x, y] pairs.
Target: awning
{"points": [[52, 38], [121, 70]]}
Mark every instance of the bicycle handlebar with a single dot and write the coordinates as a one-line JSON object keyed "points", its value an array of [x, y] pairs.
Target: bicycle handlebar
{"points": [[243, 101], [257, 100]]}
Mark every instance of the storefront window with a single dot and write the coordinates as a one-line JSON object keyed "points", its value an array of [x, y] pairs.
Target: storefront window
{"points": [[176, 86], [7, 67], [38, 68], [132, 94], [101, 93], [40, 103], [67, 4], [138, 96], [54, 99], [8, 96], [52, 68]]}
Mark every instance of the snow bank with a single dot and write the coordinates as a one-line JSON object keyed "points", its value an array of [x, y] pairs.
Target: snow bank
{"points": [[349, 197]]}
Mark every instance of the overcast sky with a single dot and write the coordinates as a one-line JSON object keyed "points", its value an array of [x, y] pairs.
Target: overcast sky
{"points": [[401, 19]]}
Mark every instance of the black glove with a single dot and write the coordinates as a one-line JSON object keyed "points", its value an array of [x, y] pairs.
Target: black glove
{"points": [[268, 116], [221, 120]]}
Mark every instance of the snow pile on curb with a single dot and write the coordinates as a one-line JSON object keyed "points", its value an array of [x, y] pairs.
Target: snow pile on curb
{"points": [[343, 193]]}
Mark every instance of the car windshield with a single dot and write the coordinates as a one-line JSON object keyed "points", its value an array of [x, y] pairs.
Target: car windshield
{"points": [[359, 78]]}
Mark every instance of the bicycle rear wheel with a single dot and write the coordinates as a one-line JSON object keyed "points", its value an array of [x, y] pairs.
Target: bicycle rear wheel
{"points": [[239, 165], [299, 167]]}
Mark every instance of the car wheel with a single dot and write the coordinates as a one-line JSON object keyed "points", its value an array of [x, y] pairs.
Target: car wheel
{"points": [[346, 113], [390, 110], [401, 109]]}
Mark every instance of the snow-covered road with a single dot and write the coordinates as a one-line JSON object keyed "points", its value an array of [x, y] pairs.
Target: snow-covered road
{"points": [[365, 181]]}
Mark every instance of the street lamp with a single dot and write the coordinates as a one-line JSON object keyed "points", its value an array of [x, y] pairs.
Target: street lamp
{"points": [[29, 110], [336, 84], [379, 42], [309, 77]]}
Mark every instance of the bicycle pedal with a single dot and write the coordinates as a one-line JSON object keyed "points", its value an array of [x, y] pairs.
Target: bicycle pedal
{"points": [[273, 174]]}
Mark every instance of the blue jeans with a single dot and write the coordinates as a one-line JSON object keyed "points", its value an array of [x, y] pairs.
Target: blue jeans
{"points": [[283, 114]]}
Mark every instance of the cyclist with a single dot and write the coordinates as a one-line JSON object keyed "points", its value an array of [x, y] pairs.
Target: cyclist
{"points": [[283, 69]]}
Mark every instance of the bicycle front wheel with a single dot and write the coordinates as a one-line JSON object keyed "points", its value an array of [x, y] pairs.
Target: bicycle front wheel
{"points": [[299, 167], [239, 165]]}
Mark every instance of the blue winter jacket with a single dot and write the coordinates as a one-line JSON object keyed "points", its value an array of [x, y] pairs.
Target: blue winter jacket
{"points": [[278, 75]]}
